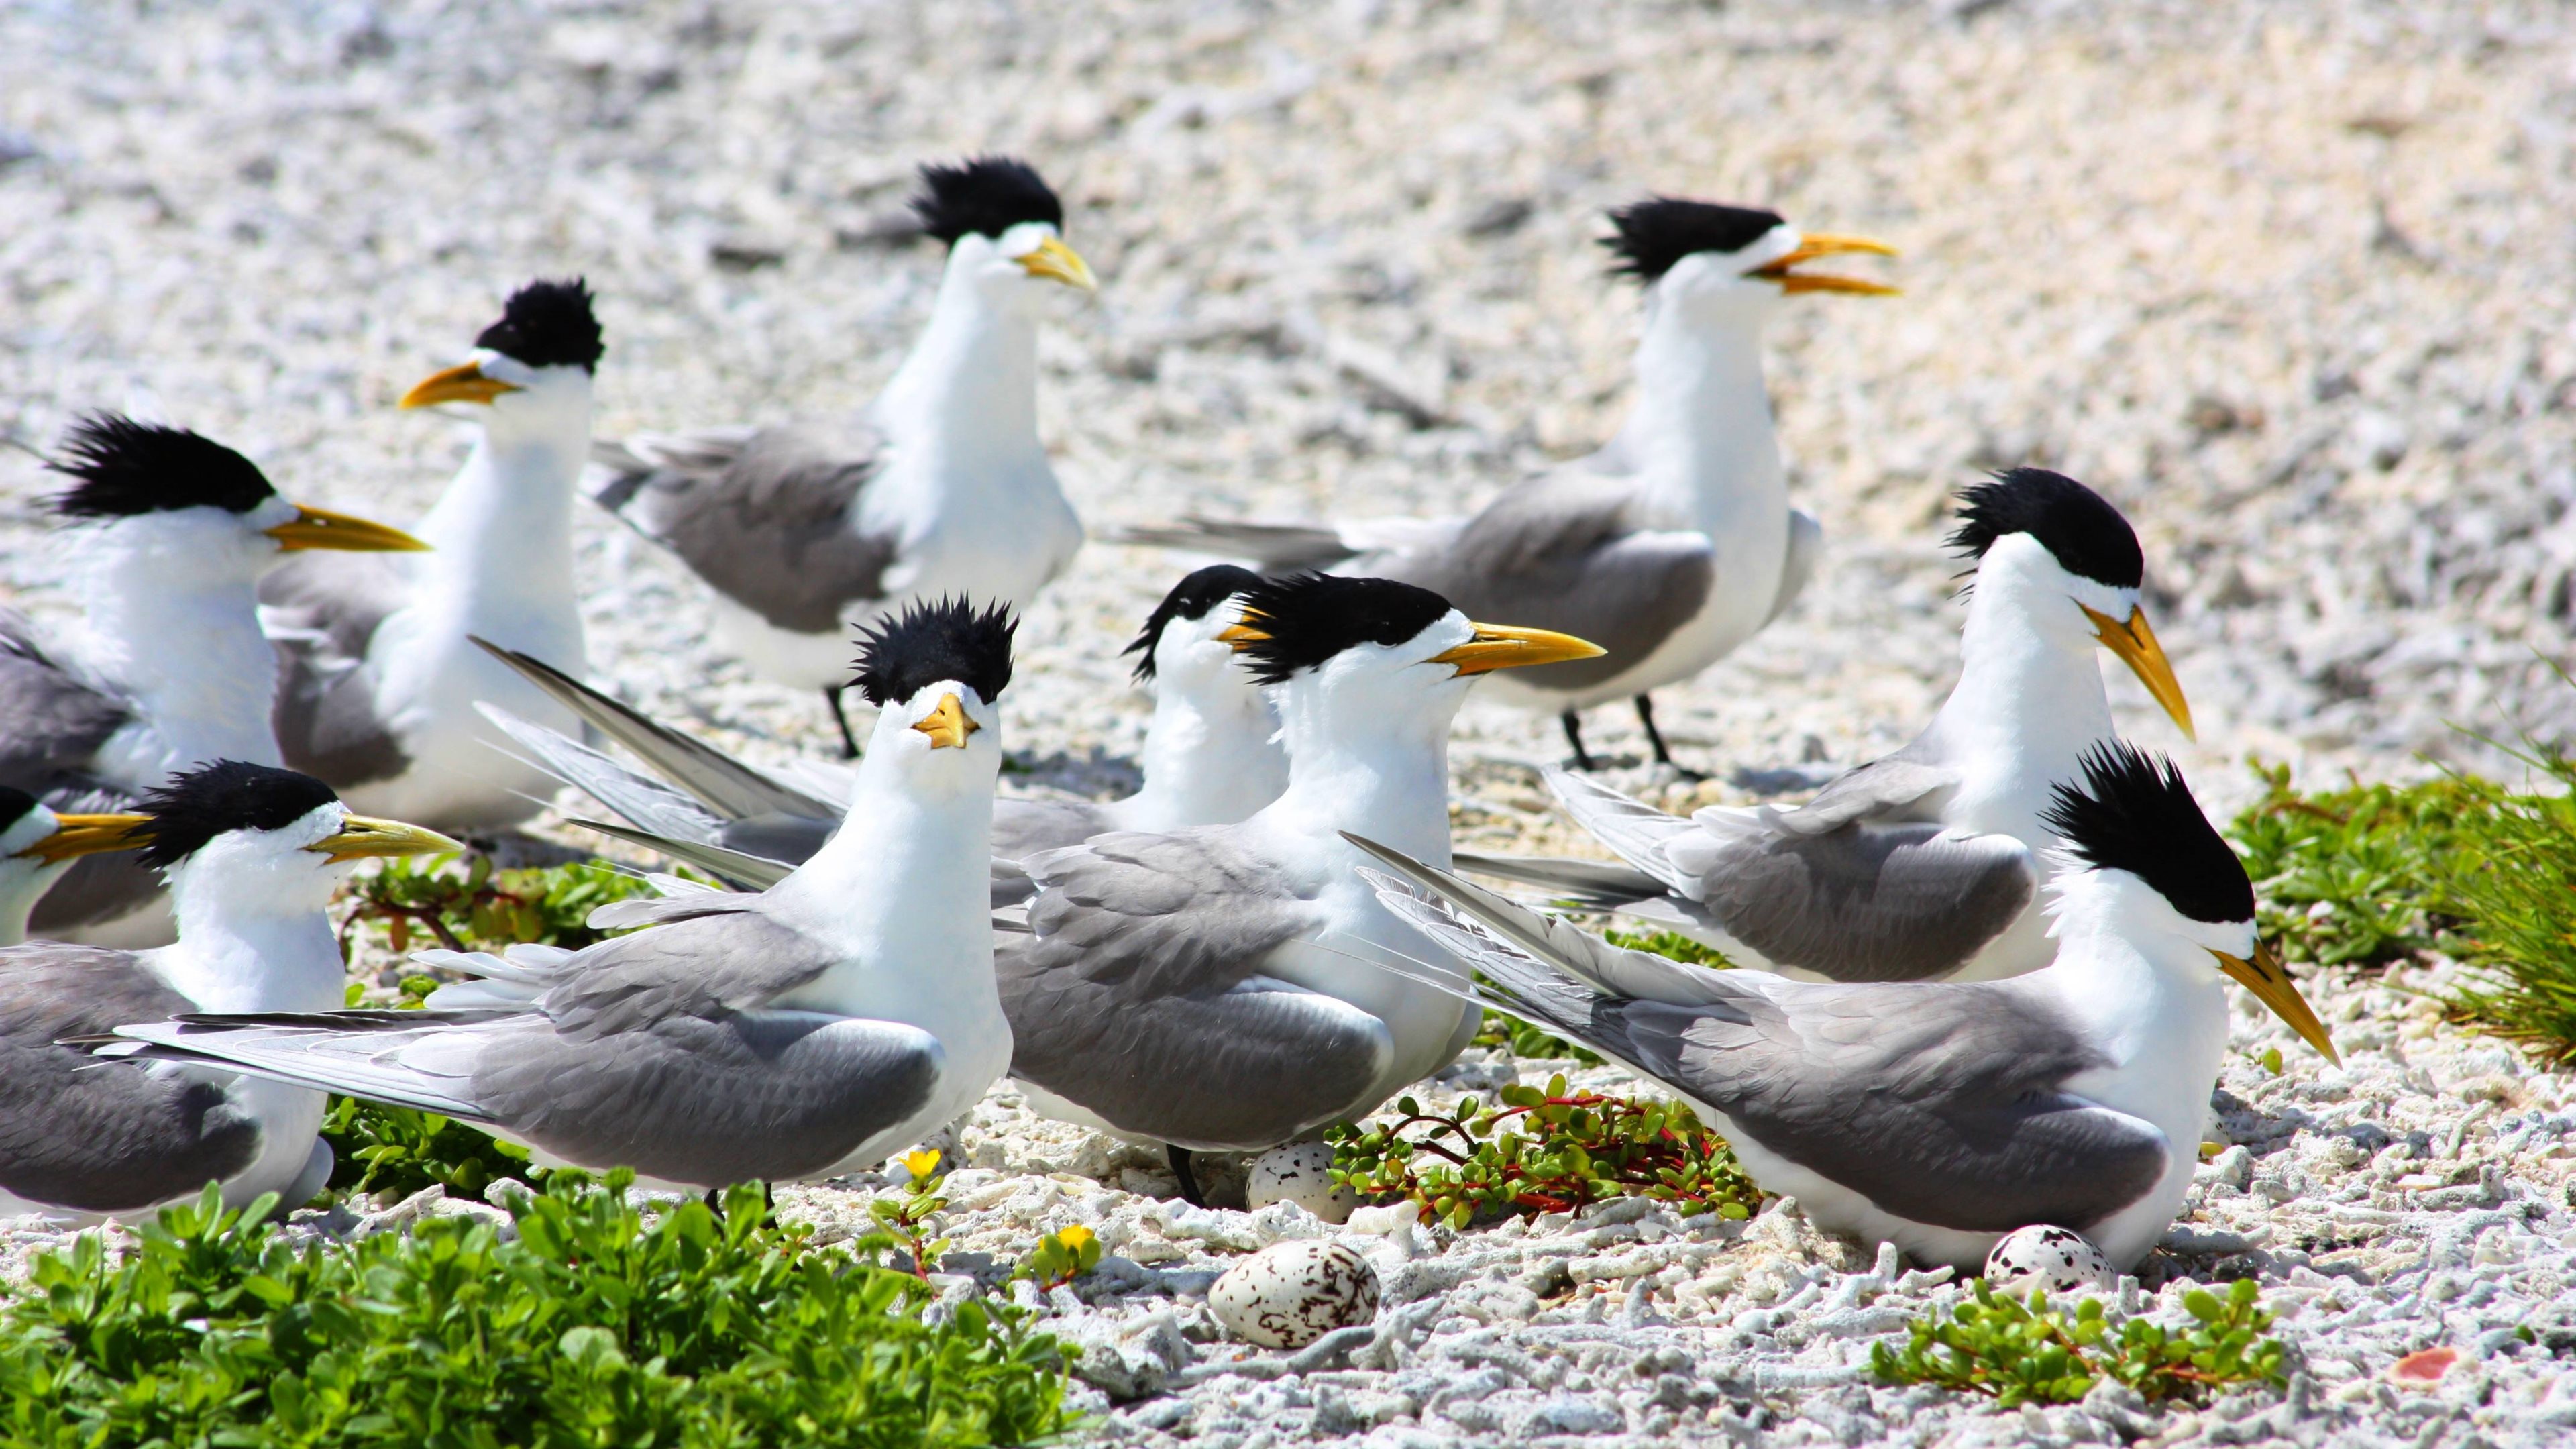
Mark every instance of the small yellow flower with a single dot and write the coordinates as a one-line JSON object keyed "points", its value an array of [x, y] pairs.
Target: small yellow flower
{"points": [[920, 1163], [1074, 1236]]}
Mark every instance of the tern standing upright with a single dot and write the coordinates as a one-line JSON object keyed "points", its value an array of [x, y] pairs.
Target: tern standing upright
{"points": [[382, 675], [940, 486], [1671, 545]]}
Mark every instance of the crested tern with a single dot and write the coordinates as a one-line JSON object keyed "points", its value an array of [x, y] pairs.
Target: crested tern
{"points": [[940, 485], [168, 668], [1938, 1116], [380, 681], [792, 1034], [1927, 862], [37, 846], [252, 855], [1211, 757], [1193, 987], [1672, 544]]}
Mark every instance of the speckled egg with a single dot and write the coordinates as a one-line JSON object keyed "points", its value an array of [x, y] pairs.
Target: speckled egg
{"points": [[2057, 1260], [1290, 1294], [1298, 1173]]}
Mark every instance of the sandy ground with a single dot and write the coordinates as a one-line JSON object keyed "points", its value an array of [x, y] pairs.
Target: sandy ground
{"points": [[2292, 286]]}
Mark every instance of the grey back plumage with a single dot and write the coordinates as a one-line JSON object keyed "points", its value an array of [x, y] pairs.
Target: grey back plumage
{"points": [[764, 517], [1863, 903], [321, 610], [1138, 994], [54, 718], [96, 1136]]}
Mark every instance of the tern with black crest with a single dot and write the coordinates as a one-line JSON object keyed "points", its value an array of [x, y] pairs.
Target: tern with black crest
{"points": [[940, 485], [381, 678], [1672, 544], [168, 668], [1938, 1116], [785, 1035], [1926, 863]]}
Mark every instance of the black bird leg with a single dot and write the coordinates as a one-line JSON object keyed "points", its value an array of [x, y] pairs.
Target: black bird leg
{"points": [[1574, 736], [1181, 1169], [1654, 737], [849, 742]]}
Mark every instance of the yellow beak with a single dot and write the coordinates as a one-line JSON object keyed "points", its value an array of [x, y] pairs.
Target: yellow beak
{"points": [[321, 528], [947, 725], [2136, 645], [1813, 246], [361, 836], [78, 835], [464, 383], [1055, 261], [2270, 982], [1500, 646]]}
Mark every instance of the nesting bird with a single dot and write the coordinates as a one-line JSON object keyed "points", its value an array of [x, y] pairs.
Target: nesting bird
{"points": [[1196, 987], [939, 486], [795, 1033], [380, 678], [1672, 544], [1211, 758], [169, 669], [252, 855], [1938, 1116], [1927, 862]]}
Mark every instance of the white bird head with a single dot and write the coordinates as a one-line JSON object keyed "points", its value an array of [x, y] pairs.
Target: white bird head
{"points": [[530, 371], [936, 672], [1728, 264], [1004, 228], [195, 509], [1374, 656], [1182, 646], [263, 841], [2133, 833], [37, 846], [2071, 565]]}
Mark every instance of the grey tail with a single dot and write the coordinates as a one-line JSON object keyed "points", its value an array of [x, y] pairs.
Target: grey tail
{"points": [[1590, 885], [728, 788], [647, 802], [735, 868], [1273, 547], [628, 474]]}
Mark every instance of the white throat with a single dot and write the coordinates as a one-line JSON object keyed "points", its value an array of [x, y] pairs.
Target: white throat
{"points": [[2029, 700], [967, 394], [1701, 435], [1360, 762], [186, 642], [1211, 755], [501, 535], [241, 949]]}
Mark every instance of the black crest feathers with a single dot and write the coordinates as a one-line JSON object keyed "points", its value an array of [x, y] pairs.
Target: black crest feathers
{"points": [[1305, 619], [929, 642], [121, 468], [984, 196], [2078, 527], [1655, 233], [2134, 813], [14, 805], [1191, 598], [200, 804], [548, 324]]}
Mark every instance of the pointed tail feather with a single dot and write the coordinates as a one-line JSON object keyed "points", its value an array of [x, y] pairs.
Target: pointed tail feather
{"points": [[325, 1052], [1588, 884], [646, 801], [1272, 546], [1634, 830], [733, 867], [728, 788]]}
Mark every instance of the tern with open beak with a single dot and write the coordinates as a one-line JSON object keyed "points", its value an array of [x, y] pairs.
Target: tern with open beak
{"points": [[1197, 987], [1670, 546], [941, 485], [1926, 863], [252, 855], [1935, 1115], [381, 676], [168, 668], [785, 1035]]}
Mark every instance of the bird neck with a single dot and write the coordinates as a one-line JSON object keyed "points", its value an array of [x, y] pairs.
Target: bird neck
{"points": [[186, 644], [238, 952], [501, 535], [2144, 993], [968, 391], [1700, 436], [1378, 772], [2028, 703], [907, 889], [1209, 757]]}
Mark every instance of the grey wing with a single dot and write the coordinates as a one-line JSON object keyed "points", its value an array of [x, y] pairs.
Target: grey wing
{"points": [[1138, 994], [766, 518], [1942, 1104], [321, 611], [717, 952], [97, 1136], [1560, 552], [1272, 547], [1634, 830], [1895, 787], [1866, 902], [54, 716], [1589, 884], [1023, 828]]}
